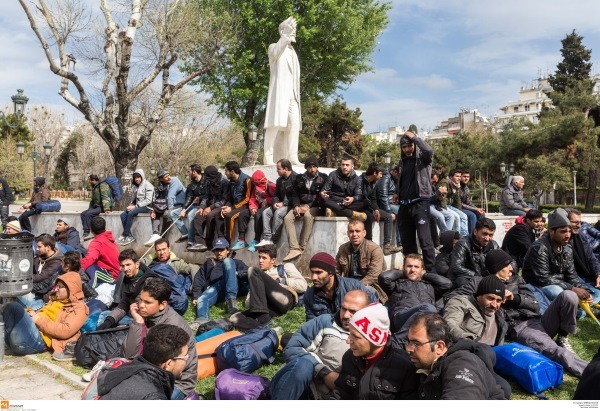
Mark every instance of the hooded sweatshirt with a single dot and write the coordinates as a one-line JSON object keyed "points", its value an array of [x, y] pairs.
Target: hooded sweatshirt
{"points": [[263, 191], [104, 252], [63, 324], [143, 194]]}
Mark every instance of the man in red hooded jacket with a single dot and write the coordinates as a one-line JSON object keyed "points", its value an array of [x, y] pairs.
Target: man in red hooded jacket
{"points": [[102, 260]]}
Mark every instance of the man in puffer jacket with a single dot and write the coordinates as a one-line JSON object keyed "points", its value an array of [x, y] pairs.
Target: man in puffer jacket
{"points": [[142, 197], [52, 327]]}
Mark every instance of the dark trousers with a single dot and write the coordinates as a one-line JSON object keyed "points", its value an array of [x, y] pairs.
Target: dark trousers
{"points": [[414, 220], [388, 226], [435, 236], [127, 219], [258, 223], [208, 223], [24, 219], [227, 225], [86, 218], [344, 211], [3, 215], [267, 296]]}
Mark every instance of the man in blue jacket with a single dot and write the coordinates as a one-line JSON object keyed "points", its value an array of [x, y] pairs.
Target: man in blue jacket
{"points": [[170, 195]]}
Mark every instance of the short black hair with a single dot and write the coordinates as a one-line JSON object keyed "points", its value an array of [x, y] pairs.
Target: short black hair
{"points": [[72, 259], [485, 222], [533, 214], [285, 164], [128, 254], [347, 158], [454, 171], [233, 166], [436, 327], [197, 168], [269, 249], [164, 342], [94, 177], [571, 211], [374, 168], [98, 225], [158, 289], [466, 172], [162, 240], [47, 240]]}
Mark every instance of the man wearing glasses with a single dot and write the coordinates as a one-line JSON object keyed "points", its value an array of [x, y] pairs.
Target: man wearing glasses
{"points": [[459, 371]]}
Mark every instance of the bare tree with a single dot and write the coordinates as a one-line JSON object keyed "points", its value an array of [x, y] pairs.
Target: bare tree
{"points": [[48, 128], [125, 92]]}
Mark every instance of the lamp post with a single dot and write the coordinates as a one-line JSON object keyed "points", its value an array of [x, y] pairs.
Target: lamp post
{"points": [[34, 155], [507, 172], [252, 132], [575, 188], [153, 170], [388, 158], [19, 103]]}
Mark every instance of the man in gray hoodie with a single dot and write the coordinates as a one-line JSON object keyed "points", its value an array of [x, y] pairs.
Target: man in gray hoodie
{"points": [[141, 198]]}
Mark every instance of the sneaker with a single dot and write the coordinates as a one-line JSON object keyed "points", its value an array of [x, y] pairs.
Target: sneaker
{"points": [[197, 323], [152, 240], [388, 249], [360, 216], [563, 341], [231, 306], [127, 240], [87, 377], [67, 355], [87, 236], [239, 245], [264, 242], [292, 254], [197, 247], [252, 247], [121, 239], [182, 239], [329, 212]]}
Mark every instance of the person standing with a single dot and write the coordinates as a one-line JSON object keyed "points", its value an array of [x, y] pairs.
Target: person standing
{"points": [[6, 197], [414, 192]]}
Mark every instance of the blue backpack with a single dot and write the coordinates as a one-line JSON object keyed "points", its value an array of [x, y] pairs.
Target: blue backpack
{"points": [[180, 284], [116, 190], [248, 352], [532, 370]]}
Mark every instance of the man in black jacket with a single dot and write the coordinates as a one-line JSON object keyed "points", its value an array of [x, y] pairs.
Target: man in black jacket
{"points": [[6, 197], [374, 368], [193, 194], [306, 200], [521, 236], [587, 389], [342, 193], [451, 371], [150, 376]]}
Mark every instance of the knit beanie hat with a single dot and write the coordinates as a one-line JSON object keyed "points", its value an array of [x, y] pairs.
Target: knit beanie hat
{"points": [[15, 225], [558, 218], [491, 285], [311, 161], [323, 261], [496, 260], [373, 323]]}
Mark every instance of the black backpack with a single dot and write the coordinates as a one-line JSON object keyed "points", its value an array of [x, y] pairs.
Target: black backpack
{"points": [[99, 346]]}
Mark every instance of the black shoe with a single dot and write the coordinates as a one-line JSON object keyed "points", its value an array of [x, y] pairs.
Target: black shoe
{"points": [[231, 306], [182, 239]]}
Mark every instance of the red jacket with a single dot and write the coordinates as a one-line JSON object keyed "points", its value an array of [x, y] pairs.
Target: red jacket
{"points": [[104, 252], [263, 191]]}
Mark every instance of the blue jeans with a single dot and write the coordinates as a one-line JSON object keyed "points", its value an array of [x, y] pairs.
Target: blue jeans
{"points": [[472, 217], [444, 221], [127, 219], [189, 216], [29, 301], [177, 394], [225, 288], [463, 224], [20, 332], [292, 381], [395, 208], [516, 213], [594, 292]]}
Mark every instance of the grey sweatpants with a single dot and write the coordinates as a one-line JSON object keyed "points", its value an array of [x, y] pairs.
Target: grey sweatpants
{"points": [[538, 333]]}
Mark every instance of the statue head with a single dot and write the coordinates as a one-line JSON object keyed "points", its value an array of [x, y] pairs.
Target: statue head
{"points": [[288, 28]]}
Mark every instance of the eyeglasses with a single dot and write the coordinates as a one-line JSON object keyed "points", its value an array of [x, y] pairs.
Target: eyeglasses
{"points": [[417, 344], [181, 357]]}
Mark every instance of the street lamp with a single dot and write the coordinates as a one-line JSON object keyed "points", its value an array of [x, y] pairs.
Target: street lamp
{"points": [[388, 158], [252, 132], [506, 173], [19, 102], [34, 155], [153, 170], [575, 188]]}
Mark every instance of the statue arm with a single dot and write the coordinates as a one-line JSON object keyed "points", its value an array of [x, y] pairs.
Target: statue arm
{"points": [[277, 49]]}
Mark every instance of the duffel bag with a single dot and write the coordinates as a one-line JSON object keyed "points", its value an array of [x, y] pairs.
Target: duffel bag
{"points": [[248, 352], [47, 206], [99, 346], [205, 350], [236, 385]]}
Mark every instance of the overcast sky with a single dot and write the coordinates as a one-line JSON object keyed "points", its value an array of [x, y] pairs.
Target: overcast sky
{"points": [[434, 58]]}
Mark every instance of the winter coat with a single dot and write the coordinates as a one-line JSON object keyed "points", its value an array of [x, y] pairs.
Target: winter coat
{"points": [[240, 191], [263, 191], [295, 282], [369, 191], [453, 197], [512, 199], [385, 189], [443, 259], [129, 291], [40, 194], [466, 319], [212, 271], [424, 156], [404, 294], [466, 199], [339, 186], [71, 317], [284, 190], [587, 265], [371, 263], [590, 235], [316, 304], [543, 266], [138, 380], [173, 192], [104, 252], [517, 241], [134, 341], [195, 189], [102, 197], [465, 372], [142, 194], [391, 377], [308, 194], [180, 266], [70, 237], [468, 259], [216, 195], [6, 194], [45, 273]]}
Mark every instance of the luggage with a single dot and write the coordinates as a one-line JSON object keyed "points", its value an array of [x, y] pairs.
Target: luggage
{"points": [[532, 370], [248, 352], [180, 284], [235, 385], [221, 323], [205, 350], [99, 345], [116, 190], [209, 334], [47, 206]]}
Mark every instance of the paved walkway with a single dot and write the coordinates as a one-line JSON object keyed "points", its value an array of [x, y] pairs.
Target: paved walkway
{"points": [[28, 378]]}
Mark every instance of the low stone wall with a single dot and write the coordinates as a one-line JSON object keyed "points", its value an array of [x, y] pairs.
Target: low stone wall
{"points": [[328, 234]]}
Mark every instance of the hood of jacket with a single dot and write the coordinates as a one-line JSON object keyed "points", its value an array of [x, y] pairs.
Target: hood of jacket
{"points": [[141, 173], [105, 236], [109, 379], [259, 180], [73, 283]]}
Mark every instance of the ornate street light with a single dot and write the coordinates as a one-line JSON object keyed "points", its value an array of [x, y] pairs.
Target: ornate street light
{"points": [[252, 132], [34, 155], [507, 173], [388, 158], [153, 170], [19, 102]]}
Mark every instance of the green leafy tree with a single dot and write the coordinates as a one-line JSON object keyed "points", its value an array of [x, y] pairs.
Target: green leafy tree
{"points": [[17, 171], [335, 40]]}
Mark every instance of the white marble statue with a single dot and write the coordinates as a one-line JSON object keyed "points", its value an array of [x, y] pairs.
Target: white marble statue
{"points": [[282, 119]]}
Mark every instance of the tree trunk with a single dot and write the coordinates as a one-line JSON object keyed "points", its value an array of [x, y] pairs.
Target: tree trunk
{"points": [[591, 190], [125, 164], [252, 152]]}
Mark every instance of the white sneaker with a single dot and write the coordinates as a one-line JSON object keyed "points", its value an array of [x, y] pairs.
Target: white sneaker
{"points": [[87, 377], [563, 341], [264, 242], [152, 240]]}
